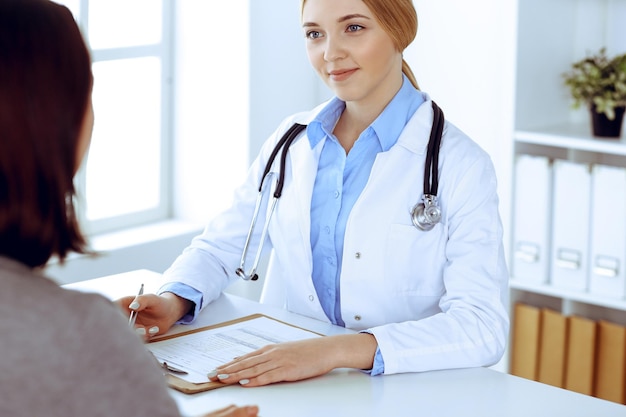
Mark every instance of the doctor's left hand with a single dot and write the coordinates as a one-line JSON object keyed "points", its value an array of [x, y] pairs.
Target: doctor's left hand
{"points": [[295, 361]]}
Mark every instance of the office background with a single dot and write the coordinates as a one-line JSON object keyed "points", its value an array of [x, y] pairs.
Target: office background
{"points": [[238, 68]]}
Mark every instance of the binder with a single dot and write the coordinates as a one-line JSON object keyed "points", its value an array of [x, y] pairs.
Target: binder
{"points": [[531, 219], [580, 357], [525, 344], [607, 272], [570, 225], [610, 362], [552, 348]]}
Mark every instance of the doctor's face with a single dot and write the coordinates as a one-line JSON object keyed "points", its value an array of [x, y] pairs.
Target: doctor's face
{"points": [[350, 51]]}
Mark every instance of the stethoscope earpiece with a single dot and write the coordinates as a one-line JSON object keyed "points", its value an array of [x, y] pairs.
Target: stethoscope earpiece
{"points": [[427, 214]]}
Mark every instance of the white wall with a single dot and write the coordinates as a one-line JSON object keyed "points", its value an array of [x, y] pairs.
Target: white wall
{"points": [[464, 57], [211, 121], [230, 96], [281, 78]]}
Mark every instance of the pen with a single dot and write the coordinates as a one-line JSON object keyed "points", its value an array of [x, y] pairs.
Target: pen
{"points": [[133, 314]]}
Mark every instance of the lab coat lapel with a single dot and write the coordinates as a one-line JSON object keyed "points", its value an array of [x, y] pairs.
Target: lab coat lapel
{"points": [[303, 169], [416, 133]]}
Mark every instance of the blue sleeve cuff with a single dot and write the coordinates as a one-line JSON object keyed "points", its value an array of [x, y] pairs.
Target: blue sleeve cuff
{"points": [[379, 363], [188, 293]]}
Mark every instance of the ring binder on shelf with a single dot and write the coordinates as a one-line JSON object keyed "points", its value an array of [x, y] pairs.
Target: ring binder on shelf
{"points": [[531, 219], [570, 225]]}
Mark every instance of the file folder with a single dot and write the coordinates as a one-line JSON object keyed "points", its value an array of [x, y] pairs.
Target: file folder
{"points": [[611, 362], [570, 225], [525, 345], [607, 275], [552, 348], [581, 352], [531, 219]]}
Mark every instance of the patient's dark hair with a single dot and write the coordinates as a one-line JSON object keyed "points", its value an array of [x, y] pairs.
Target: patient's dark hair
{"points": [[45, 85]]}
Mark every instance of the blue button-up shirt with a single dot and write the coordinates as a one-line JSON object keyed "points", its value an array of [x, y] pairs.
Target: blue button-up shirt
{"points": [[339, 182]]}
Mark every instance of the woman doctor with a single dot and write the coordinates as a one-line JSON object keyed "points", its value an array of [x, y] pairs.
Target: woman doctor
{"points": [[344, 247]]}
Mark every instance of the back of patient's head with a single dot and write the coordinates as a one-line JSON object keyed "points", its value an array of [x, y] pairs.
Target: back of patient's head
{"points": [[45, 85]]}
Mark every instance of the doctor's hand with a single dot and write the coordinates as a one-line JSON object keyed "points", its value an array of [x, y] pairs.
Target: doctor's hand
{"points": [[294, 361], [155, 313]]}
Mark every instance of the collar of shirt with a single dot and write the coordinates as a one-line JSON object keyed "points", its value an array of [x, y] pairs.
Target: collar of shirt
{"points": [[387, 126]]}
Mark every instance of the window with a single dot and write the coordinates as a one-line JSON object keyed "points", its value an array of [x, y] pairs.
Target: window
{"points": [[124, 181]]}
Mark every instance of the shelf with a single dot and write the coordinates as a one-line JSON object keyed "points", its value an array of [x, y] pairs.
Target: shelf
{"points": [[551, 35], [571, 137], [582, 297]]}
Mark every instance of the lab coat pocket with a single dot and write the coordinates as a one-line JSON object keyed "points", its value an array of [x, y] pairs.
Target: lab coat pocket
{"points": [[415, 259]]}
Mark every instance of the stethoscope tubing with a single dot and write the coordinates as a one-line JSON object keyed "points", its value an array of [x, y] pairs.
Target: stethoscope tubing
{"points": [[431, 184], [284, 143], [431, 169], [252, 275]]}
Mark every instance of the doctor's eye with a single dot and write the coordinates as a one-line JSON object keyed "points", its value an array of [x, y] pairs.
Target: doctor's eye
{"points": [[354, 28], [313, 34]]}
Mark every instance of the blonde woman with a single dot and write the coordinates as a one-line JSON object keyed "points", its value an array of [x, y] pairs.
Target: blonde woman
{"points": [[345, 247]]}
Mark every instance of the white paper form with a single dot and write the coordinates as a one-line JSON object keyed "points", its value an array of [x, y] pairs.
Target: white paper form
{"points": [[201, 352]]}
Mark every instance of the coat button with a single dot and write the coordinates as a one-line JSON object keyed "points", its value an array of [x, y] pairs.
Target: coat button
{"points": [[357, 255], [357, 318], [311, 298]]}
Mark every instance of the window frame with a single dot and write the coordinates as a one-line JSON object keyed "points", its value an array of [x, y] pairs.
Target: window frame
{"points": [[164, 51]]}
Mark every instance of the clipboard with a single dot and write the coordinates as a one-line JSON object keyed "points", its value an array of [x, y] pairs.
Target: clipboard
{"points": [[188, 387]]}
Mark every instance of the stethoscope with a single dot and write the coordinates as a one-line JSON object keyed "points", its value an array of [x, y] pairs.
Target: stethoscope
{"points": [[424, 215]]}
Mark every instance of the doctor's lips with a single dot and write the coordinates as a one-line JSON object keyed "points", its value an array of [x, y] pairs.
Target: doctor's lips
{"points": [[341, 74]]}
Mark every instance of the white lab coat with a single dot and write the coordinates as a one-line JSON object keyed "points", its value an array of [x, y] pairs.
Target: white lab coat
{"points": [[433, 300]]}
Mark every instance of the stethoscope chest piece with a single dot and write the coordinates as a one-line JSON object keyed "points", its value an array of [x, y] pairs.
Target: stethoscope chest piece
{"points": [[427, 214]]}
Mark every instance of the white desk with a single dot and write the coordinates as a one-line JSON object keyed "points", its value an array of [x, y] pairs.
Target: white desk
{"points": [[479, 392]]}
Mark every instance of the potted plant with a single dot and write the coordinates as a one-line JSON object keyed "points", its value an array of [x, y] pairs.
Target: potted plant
{"points": [[600, 83]]}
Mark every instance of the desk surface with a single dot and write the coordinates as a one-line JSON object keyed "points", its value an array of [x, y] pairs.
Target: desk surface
{"points": [[479, 392]]}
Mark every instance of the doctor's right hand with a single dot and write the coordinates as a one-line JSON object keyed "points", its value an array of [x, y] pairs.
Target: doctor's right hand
{"points": [[155, 313]]}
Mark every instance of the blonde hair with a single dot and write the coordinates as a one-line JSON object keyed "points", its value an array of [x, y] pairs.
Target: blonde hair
{"points": [[399, 19]]}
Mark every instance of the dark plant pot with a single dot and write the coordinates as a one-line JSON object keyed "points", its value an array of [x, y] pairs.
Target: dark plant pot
{"points": [[604, 127]]}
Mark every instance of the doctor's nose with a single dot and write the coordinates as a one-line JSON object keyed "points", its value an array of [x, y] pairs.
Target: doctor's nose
{"points": [[333, 50]]}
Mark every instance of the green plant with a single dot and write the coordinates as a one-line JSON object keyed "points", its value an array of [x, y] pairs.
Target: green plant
{"points": [[598, 81]]}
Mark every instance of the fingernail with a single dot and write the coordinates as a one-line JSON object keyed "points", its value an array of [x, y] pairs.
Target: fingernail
{"points": [[153, 330], [212, 374], [140, 331], [244, 381], [223, 376], [134, 305]]}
